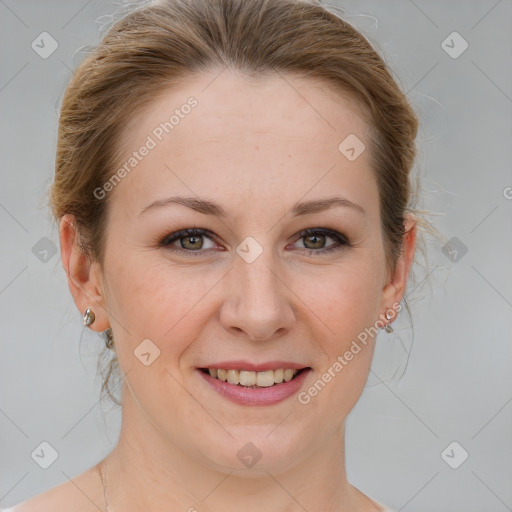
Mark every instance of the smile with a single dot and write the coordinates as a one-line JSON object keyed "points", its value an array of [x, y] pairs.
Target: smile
{"points": [[252, 379], [252, 388]]}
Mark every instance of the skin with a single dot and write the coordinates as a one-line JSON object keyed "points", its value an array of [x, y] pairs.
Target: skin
{"points": [[255, 148]]}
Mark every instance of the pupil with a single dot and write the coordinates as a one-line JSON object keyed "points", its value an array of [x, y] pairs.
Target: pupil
{"points": [[320, 239], [193, 238]]}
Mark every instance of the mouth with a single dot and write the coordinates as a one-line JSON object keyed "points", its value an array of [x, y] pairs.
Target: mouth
{"points": [[255, 380]]}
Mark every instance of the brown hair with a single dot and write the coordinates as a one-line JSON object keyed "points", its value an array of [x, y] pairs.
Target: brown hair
{"points": [[154, 47]]}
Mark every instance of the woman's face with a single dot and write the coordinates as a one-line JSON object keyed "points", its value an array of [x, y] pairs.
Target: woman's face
{"points": [[250, 287]]}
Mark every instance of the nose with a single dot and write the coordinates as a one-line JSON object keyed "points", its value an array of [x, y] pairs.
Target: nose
{"points": [[259, 301]]}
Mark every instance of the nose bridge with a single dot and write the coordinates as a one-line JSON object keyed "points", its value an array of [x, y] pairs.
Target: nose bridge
{"points": [[259, 278], [259, 302]]}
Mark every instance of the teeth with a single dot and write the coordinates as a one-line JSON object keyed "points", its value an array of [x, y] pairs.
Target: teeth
{"points": [[265, 379], [254, 379], [248, 378], [233, 376], [288, 375]]}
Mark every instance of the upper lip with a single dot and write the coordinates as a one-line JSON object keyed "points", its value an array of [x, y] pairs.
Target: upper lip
{"points": [[255, 367]]}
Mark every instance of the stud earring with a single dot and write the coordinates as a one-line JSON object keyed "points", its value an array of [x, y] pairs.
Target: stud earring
{"points": [[388, 327], [89, 317]]}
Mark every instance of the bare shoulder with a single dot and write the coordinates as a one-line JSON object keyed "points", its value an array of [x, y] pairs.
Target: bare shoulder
{"points": [[369, 504], [82, 493]]}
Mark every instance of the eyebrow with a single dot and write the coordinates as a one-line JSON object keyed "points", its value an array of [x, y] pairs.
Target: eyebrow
{"points": [[209, 208]]}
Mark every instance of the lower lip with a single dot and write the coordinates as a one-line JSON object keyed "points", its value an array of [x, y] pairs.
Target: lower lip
{"points": [[256, 396]]}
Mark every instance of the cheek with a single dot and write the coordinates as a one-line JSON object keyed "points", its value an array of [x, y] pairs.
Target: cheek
{"points": [[347, 300], [349, 308], [153, 300]]}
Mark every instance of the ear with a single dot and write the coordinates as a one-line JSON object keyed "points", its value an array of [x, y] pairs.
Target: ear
{"points": [[84, 277], [396, 283]]}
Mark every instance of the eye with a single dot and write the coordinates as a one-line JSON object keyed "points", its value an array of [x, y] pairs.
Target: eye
{"points": [[317, 237], [191, 240]]}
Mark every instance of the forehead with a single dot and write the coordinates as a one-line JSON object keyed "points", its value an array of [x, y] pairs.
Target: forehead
{"points": [[227, 101], [280, 134]]}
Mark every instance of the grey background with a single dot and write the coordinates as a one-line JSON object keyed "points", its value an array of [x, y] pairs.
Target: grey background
{"points": [[458, 382]]}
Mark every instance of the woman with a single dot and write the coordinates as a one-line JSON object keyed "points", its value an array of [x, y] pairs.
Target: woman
{"points": [[232, 191]]}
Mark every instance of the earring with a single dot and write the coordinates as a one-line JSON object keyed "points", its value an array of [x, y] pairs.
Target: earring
{"points": [[109, 338], [388, 327], [89, 317]]}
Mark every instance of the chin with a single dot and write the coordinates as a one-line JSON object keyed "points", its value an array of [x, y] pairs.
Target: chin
{"points": [[254, 450]]}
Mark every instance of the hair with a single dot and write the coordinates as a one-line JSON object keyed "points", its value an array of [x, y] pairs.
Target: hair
{"points": [[160, 44]]}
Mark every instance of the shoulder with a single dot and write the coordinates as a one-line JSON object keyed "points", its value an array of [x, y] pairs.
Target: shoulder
{"points": [[84, 491], [376, 505], [380, 506]]}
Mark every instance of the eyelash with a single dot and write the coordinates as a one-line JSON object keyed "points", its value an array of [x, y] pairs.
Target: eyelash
{"points": [[341, 240]]}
